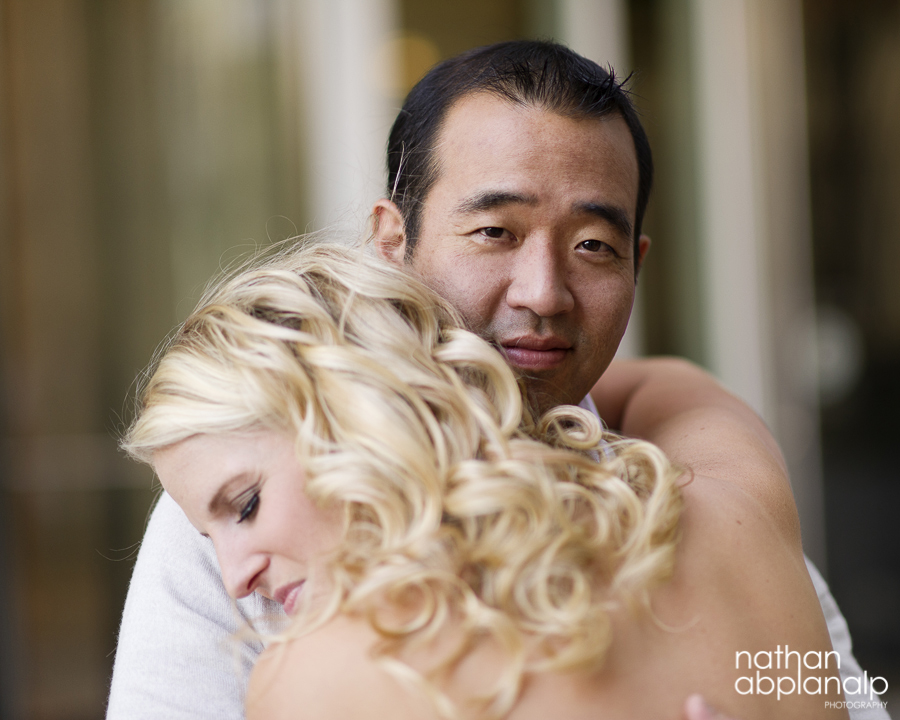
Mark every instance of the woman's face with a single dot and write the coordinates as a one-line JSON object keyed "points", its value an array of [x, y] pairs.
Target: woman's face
{"points": [[246, 492]]}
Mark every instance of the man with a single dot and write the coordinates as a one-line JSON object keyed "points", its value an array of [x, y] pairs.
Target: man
{"points": [[519, 175]]}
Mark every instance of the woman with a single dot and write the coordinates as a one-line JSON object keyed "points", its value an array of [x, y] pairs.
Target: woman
{"points": [[357, 456]]}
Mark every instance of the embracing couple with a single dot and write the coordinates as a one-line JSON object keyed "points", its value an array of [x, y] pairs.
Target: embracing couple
{"points": [[448, 546]]}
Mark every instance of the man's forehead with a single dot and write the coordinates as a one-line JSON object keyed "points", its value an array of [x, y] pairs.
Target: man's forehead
{"points": [[485, 136]]}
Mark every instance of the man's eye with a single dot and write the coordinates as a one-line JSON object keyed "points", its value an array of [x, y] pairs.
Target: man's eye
{"points": [[250, 507], [594, 245], [493, 232]]}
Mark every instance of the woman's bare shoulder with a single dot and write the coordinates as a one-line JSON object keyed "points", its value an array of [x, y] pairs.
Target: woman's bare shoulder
{"points": [[740, 585], [329, 673]]}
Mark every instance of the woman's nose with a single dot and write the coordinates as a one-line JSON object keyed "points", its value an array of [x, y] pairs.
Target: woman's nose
{"points": [[241, 569]]}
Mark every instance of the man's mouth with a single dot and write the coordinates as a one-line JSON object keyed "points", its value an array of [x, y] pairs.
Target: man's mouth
{"points": [[532, 353]]}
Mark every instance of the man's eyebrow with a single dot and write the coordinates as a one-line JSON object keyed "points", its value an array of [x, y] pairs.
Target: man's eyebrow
{"points": [[613, 214], [490, 199]]}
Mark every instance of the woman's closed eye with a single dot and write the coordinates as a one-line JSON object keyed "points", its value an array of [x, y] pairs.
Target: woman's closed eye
{"points": [[248, 506]]}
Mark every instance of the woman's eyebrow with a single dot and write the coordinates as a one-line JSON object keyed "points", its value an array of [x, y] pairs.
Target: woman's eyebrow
{"points": [[221, 500]]}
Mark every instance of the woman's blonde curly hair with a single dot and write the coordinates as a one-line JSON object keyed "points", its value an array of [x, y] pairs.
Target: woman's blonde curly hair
{"points": [[458, 507]]}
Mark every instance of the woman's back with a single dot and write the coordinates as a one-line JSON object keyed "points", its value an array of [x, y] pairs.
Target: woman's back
{"points": [[738, 587]]}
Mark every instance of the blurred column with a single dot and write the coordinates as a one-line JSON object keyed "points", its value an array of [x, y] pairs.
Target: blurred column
{"points": [[735, 312], [775, 30], [345, 68], [9, 683], [754, 254], [225, 173], [598, 29], [50, 357]]}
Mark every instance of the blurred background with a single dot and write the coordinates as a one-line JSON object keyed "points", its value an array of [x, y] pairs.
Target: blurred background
{"points": [[141, 141]]}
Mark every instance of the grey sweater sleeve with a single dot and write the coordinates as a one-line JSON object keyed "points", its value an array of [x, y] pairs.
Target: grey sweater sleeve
{"points": [[179, 652]]}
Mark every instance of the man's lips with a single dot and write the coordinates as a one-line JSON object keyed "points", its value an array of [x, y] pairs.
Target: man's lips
{"points": [[287, 596], [536, 353]]}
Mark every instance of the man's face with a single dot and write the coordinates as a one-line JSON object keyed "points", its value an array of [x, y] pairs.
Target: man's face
{"points": [[528, 232]]}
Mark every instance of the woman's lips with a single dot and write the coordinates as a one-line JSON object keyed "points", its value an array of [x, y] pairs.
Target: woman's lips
{"points": [[288, 596]]}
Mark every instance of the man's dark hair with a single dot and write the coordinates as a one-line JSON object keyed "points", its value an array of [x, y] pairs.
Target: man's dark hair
{"points": [[525, 72]]}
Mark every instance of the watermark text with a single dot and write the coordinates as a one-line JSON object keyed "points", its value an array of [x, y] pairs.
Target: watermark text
{"points": [[796, 681]]}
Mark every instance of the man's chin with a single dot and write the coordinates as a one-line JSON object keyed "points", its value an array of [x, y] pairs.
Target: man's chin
{"points": [[544, 394]]}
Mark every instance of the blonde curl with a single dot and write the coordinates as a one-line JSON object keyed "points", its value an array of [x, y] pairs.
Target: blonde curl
{"points": [[459, 507]]}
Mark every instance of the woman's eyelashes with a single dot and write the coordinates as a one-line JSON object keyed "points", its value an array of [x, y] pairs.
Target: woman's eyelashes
{"points": [[248, 503]]}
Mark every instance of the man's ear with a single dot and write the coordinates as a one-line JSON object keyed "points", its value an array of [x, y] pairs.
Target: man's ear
{"points": [[388, 231], [643, 248]]}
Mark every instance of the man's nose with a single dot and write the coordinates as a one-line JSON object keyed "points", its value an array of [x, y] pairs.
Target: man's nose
{"points": [[538, 280], [241, 569]]}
